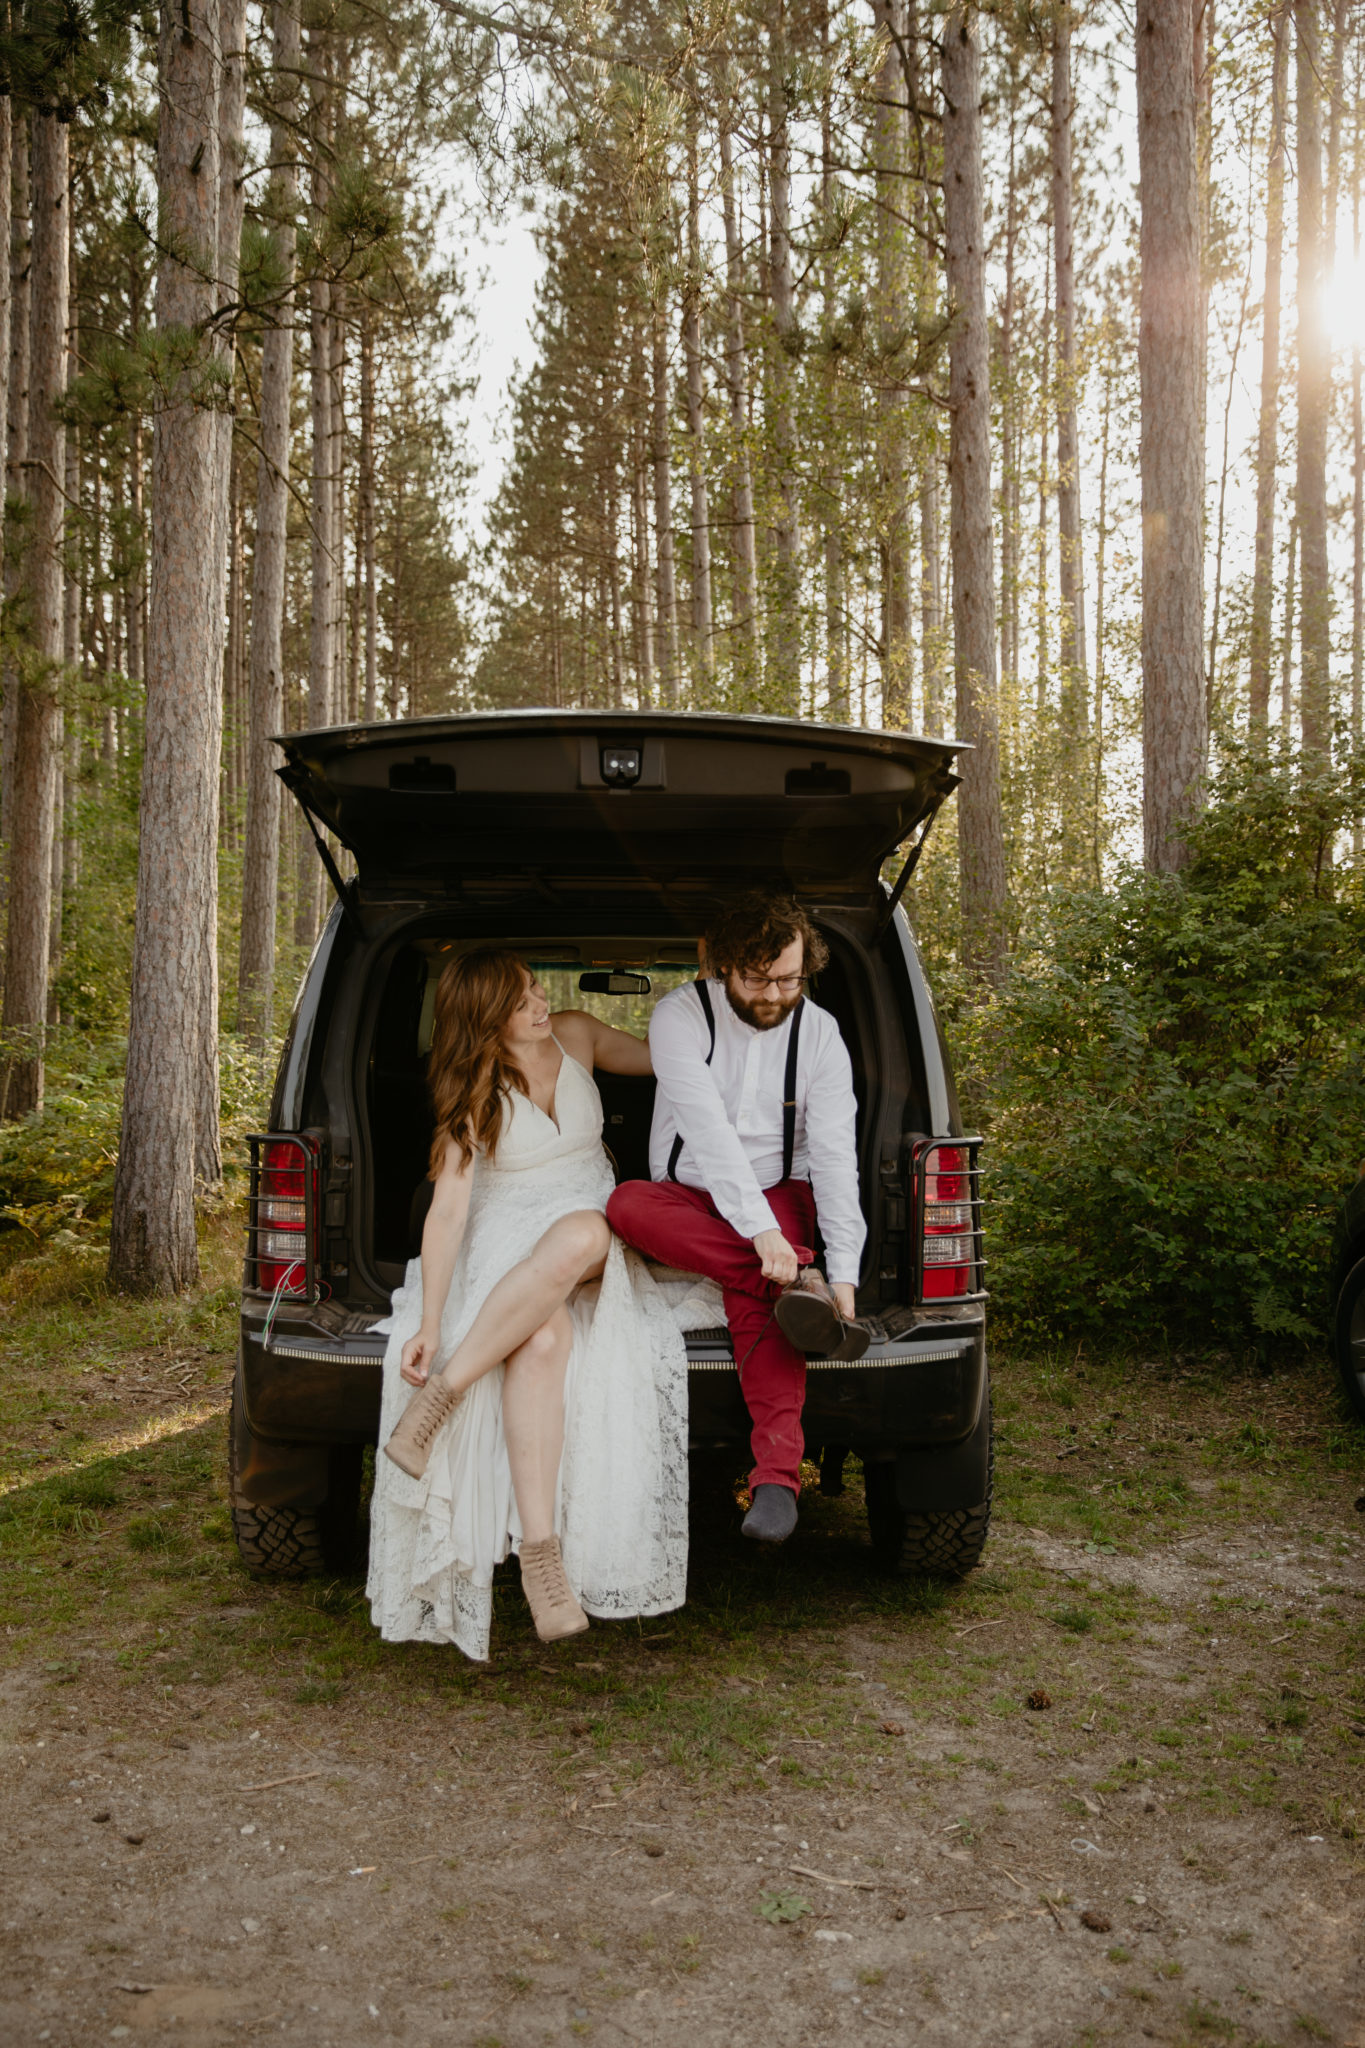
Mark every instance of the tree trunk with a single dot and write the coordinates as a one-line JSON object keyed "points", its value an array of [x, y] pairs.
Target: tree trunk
{"points": [[260, 865], [1336, 71], [931, 590], [748, 658], [137, 588], [367, 546], [321, 637], [836, 598], [933, 650], [1215, 623], [1040, 581], [1267, 438], [1291, 584], [68, 724], [666, 580], [1101, 551], [612, 518], [152, 1240], [336, 467], [981, 840], [893, 337], [1170, 356], [321, 650], [38, 724], [641, 606], [1071, 568], [786, 636], [16, 458], [1009, 432], [7, 185], [208, 1151], [1314, 392], [703, 632], [1357, 495]]}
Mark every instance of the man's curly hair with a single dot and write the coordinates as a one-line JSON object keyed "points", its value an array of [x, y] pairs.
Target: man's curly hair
{"points": [[751, 932]]}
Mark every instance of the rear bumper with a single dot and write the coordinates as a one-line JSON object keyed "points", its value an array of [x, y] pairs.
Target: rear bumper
{"points": [[307, 1388], [924, 1390], [921, 1391]]}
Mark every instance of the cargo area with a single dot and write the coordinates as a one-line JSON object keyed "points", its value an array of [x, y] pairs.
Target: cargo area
{"points": [[393, 1058]]}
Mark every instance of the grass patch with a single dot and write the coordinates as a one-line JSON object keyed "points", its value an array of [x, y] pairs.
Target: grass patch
{"points": [[115, 1543]]}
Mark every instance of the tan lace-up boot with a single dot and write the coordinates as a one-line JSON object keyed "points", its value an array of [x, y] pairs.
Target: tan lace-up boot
{"points": [[549, 1595], [411, 1442]]}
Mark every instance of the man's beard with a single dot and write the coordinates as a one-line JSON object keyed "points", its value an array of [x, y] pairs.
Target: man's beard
{"points": [[762, 1012]]}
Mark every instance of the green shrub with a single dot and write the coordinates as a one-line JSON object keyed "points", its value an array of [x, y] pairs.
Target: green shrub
{"points": [[57, 1168], [1173, 1082]]}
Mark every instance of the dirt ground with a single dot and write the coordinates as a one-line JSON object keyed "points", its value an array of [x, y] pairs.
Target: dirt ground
{"points": [[815, 1799]]}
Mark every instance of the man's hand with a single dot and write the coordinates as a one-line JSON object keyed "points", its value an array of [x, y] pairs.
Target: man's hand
{"points": [[779, 1260], [846, 1297]]}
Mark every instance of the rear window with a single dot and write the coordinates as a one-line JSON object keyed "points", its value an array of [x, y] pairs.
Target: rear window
{"points": [[628, 1013], [560, 979]]}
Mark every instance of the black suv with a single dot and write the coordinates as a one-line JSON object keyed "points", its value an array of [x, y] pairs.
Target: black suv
{"points": [[599, 845]]}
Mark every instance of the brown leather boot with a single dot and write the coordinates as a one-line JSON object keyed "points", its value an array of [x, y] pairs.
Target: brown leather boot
{"points": [[410, 1444], [549, 1595], [808, 1317], [807, 1313]]}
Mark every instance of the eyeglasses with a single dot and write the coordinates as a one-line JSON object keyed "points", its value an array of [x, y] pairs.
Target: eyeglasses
{"points": [[785, 984]]}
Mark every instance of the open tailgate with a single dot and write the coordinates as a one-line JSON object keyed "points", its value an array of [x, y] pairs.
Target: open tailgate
{"points": [[568, 798]]}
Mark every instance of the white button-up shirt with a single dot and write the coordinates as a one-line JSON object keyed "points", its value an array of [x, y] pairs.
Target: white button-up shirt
{"points": [[730, 1117]]}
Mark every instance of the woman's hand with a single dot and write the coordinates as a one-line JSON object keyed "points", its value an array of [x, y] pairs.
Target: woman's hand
{"points": [[419, 1356]]}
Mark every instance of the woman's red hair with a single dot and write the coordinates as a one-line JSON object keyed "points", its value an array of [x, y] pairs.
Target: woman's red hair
{"points": [[469, 1071]]}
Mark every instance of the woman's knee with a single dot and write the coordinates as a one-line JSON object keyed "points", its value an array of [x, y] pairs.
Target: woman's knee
{"points": [[546, 1347], [576, 1241]]}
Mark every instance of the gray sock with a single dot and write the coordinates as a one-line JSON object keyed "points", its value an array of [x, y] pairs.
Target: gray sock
{"points": [[772, 1516]]}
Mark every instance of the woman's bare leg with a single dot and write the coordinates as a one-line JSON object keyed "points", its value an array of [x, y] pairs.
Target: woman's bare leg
{"points": [[533, 1422], [572, 1250]]}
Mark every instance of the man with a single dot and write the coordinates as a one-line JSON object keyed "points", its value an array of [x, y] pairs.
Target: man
{"points": [[753, 1139]]}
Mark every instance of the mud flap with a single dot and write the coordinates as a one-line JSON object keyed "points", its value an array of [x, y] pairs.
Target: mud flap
{"points": [[275, 1475], [948, 1476]]}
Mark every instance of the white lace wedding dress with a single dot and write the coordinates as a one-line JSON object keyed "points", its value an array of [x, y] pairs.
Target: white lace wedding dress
{"points": [[622, 1507]]}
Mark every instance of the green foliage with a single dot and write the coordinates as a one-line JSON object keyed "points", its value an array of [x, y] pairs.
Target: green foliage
{"points": [[57, 1169], [1174, 1081], [778, 1908]]}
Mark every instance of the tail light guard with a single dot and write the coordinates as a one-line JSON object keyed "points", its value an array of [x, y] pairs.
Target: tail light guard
{"points": [[282, 1215], [947, 1256]]}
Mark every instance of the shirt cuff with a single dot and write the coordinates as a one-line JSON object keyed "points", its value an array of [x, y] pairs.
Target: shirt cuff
{"points": [[841, 1276], [756, 1220]]}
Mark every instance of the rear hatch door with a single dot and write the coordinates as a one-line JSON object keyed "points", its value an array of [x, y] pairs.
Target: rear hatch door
{"points": [[573, 800]]}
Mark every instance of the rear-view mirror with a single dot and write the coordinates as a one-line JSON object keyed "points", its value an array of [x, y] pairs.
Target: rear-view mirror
{"points": [[600, 983]]}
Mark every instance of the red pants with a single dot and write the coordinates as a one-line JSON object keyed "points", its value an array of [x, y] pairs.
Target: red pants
{"points": [[681, 1227]]}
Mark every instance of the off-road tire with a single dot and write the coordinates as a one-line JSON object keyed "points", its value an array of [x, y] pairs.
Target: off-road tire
{"points": [[946, 1543], [1348, 1329], [278, 1543], [298, 1543]]}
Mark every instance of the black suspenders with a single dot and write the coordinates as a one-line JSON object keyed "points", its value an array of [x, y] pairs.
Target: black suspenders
{"points": [[788, 1084], [789, 1094]]}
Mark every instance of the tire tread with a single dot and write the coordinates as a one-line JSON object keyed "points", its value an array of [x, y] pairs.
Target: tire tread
{"points": [[276, 1543]]}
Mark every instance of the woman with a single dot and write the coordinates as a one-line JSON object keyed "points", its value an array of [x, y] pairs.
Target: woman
{"points": [[552, 1376]]}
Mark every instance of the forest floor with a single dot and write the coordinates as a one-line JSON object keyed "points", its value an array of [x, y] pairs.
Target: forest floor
{"points": [[814, 1799]]}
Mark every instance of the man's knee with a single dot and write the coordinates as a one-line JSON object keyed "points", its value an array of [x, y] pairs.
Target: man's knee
{"points": [[627, 1203]]}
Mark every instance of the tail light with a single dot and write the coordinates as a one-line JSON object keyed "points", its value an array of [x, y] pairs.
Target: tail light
{"points": [[949, 1223], [281, 1236]]}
